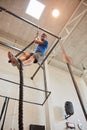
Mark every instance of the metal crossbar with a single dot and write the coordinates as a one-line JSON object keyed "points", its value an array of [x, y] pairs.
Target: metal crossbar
{"points": [[48, 92]]}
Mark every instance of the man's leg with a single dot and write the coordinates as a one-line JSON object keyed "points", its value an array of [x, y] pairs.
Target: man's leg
{"points": [[29, 61], [25, 56], [14, 60]]}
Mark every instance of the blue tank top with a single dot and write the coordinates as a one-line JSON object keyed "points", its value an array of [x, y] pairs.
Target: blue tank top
{"points": [[42, 48]]}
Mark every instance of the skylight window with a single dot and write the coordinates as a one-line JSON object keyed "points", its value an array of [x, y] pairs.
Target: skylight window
{"points": [[35, 8]]}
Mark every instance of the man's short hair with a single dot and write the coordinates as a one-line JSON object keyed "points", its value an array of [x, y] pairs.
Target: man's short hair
{"points": [[44, 34]]}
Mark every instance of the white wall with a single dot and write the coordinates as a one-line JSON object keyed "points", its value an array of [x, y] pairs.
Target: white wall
{"points": [[52, 113], [33, 114], [63, 90]]}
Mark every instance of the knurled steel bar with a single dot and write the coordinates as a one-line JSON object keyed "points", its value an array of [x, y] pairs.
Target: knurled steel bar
{"points": [[27, 21]]}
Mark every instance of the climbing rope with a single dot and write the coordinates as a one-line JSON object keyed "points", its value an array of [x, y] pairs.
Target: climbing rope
{"points": [[21, 98]]}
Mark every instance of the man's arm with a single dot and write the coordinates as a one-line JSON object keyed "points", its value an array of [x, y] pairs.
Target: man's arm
{"points": [[38, 41]]}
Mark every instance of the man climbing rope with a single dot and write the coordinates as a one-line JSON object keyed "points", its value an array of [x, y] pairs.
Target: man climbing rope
{"points": [[29, 58]]}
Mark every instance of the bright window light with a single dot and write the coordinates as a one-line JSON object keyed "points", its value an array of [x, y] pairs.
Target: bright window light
{"points": [[35, 8]]}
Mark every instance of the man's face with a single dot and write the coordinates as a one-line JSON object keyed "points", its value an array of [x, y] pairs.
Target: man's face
{"points": [[43, 36]]}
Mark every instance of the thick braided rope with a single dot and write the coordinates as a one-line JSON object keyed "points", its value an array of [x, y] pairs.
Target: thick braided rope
{"points": [[21, 98]]}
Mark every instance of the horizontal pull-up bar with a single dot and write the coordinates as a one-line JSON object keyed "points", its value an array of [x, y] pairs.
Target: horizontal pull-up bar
{"points": [[25, 20], [18, 100], [27, 87], [23, 85]]}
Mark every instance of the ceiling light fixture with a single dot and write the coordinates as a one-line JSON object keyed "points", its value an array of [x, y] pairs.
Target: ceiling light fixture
{"points": [[55, 13]]}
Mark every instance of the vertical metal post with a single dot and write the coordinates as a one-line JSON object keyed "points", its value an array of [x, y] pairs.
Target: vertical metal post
{"points": [[77, 90], [45, 83], [45, 80], [3, 107], [6, 107]]}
